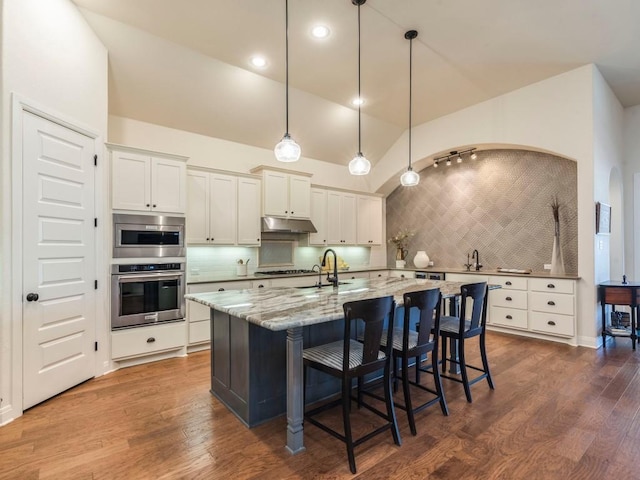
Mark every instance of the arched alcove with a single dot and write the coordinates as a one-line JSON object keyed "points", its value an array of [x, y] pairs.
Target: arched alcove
{"points": [[499, 203]]}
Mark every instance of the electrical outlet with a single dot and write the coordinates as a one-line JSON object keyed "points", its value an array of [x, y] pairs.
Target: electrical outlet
{"points": [[430, 264], [547, 266]]}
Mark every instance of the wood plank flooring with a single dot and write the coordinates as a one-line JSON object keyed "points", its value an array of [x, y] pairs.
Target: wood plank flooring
{"points": [[557, 412]]}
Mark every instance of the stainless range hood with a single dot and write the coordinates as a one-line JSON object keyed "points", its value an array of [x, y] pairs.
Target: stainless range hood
{"points": [[286, 225]]}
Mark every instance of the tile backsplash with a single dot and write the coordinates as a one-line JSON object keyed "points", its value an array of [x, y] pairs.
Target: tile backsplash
{"points": [[498, 204], [220, 260]]}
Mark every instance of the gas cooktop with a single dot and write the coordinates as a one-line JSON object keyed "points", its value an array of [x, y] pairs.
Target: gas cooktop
{"points": [[284, 272]]}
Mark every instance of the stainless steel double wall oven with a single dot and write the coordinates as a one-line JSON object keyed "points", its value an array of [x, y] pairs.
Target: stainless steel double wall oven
{"points": [[152, 290]]}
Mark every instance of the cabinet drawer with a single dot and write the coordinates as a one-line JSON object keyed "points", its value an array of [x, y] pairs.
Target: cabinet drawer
{"points": [[508, 317], [199, 332], [197, 312], [135, 342], [551, 303], [508, 298], [465, 277], [554, 285], [562, 325], [511, 283]]}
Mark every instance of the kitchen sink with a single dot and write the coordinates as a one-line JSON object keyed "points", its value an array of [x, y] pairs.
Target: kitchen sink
{"points": [[323, 285]]}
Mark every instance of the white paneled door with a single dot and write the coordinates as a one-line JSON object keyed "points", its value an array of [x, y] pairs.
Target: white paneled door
{"points": [[58, 259]]}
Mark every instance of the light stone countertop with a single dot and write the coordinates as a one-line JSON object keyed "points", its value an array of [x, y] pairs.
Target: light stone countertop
{"points": [[280, 308], [212, 278]]}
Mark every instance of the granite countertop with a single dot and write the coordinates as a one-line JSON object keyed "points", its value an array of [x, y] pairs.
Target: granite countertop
{"points": [[280, 308], [212, 278]]}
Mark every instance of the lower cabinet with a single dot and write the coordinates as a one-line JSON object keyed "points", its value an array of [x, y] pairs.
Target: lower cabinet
{"points": [[537, 307], [143, 341]]}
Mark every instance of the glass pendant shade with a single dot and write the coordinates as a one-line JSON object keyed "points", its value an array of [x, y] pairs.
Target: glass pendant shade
{"points": [[409, 178], [359, 165], [287, 150]]}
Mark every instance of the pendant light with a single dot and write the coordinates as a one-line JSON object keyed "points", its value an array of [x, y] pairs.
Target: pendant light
{"points": [[410, 178], [287, 150], [359, 165]]}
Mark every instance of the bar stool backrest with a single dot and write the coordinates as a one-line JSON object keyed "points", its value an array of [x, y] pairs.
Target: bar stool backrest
{"points": [[376, 314], [477, 292], [428, 304]]}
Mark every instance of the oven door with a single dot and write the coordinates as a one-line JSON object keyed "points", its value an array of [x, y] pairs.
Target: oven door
{"points": [[146, 240], [149, 298]]}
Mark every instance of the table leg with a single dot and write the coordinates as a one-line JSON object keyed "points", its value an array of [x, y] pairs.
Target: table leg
{"points": [[604, 324], [633, 327], [295, 398]]}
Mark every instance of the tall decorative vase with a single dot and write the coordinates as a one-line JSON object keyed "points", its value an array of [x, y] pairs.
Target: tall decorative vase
{"points": [[421, 260], [557, 262]]}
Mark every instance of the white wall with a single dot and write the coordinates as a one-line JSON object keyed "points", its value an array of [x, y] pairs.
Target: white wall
{"points": [[607, 165], [51, 57], [631, 178]]}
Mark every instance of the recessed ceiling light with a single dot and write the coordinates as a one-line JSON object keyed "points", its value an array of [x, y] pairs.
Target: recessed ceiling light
{"points": [[320, 31], [258, 61], [357, 101]]}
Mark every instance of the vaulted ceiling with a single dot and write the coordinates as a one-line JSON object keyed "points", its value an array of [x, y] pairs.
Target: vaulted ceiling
{"points": [[185, 64]]}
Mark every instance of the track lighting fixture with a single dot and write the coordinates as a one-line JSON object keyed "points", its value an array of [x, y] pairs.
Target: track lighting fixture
{"points": [[457, 155]]}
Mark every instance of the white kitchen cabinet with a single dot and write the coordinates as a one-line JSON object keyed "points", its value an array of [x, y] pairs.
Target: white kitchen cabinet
{"points": [[508, 304], [222, 209], [285, 194], [341, 218], [537, 307], [402, 273], [142, 341], [147, 181], [369, 217], [249, 195], [318, 216], [379, 274]]}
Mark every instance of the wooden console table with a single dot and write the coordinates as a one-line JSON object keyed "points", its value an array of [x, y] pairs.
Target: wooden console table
{"points": [[617, 293]]}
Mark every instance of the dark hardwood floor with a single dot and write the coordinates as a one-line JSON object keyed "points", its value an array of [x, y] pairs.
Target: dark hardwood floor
{"points": [[557, 412]]}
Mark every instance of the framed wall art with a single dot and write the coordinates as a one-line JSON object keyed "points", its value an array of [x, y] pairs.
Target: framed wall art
{"points": [[603, 218]]}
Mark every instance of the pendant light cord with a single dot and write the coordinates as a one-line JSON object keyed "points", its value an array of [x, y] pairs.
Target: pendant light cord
{"points": [[359, 95], [410, 93], [286, 64]]}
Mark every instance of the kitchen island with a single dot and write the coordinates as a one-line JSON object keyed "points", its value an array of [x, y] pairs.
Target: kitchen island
{"points": [[258, 335]]}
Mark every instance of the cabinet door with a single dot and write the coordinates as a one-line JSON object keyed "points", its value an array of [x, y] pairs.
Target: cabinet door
{"points": [[348, 219], [334, 231], [168, 185], [131, 181], [197, 207], [223, 205], [276, 194], [369, 213], [249, 193], [299, 196], [318, 216]]}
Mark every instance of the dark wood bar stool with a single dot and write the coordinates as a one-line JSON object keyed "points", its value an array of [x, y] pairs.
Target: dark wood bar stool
{"points": [[461, 329], [413, 344], [348, 359]]}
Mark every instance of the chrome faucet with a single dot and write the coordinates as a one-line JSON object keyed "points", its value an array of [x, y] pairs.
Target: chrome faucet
{"points": [[476, 256], [313, 269], [333, 280]]}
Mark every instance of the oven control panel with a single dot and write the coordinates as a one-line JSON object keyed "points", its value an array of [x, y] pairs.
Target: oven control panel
{"points": [[148, 267]]}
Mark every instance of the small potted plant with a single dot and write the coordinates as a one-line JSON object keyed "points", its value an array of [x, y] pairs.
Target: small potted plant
{"points": [[401, 241]]}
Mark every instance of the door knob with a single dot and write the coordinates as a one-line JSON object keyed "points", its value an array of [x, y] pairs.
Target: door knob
{"points": [[32, 297]]}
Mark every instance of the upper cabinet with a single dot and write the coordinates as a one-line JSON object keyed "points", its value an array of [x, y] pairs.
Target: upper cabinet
{"points": [[341, 218], [147, 181], [285, 194], [222, 209], [345, 218], [369, 231], [319, 216]]}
